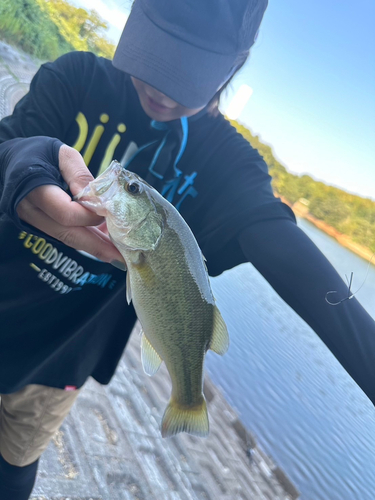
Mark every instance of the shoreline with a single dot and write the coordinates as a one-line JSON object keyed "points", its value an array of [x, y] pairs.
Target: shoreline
{"points": [[301, 210]]}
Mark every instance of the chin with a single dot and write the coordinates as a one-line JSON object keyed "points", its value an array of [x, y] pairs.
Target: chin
{"points": [[154, 115], [159, 117]]}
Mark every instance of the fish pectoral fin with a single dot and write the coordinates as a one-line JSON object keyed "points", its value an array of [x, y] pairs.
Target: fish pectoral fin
{"points": [[128, 288], [191, 419], [151, 360], [220, 338]]}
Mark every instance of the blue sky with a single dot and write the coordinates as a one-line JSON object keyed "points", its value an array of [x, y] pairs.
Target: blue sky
{"points": [[312, 71], [313, 75]]}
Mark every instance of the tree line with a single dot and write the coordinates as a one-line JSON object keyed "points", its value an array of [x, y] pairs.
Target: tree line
{"points": [[47, 29], [349, 214]]}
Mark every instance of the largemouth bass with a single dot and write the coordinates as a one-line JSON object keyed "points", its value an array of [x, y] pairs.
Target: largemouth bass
{"points": [[167, 281]]}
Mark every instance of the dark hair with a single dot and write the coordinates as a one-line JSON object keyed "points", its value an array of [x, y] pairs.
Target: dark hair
{"points": [[213, 105]]}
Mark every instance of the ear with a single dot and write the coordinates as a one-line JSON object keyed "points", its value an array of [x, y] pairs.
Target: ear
{"points": [[147, 235]]}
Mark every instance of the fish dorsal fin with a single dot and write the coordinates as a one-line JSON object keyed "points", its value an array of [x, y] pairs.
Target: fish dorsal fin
{"points": [[151, 360], [220, 338], [128, 288]]}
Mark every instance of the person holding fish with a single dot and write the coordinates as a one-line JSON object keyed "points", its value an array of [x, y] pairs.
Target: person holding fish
{"points": [[63, 312]]}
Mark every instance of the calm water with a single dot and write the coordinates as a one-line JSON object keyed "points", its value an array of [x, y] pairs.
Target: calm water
{"points": [[289, 389]]}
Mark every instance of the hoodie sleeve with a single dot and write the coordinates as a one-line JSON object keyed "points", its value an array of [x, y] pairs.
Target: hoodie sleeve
{"points": [[25, 164]]}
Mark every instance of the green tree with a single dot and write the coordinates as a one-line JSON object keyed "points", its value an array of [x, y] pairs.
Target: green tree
{"points": [[82, 29], [48, 29], [349, 214], [25, 25]]}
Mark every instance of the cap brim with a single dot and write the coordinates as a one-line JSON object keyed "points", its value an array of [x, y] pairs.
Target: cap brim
{"points": [[187, 74]]}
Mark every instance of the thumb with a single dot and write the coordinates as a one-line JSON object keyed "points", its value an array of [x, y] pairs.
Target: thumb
{"points": [[73, 169]]}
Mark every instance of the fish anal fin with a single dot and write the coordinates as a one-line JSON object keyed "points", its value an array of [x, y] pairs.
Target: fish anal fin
{"points": [[151, 360], [190, 419], [220, 338]]}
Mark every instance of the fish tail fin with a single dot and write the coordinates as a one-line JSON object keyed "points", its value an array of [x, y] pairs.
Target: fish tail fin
{"points": [[192, 419]]}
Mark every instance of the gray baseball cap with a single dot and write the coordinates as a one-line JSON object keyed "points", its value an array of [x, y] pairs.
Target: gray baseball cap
{"points": [[187, 49]]}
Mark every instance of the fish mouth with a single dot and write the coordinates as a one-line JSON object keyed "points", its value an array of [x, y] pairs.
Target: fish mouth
{"points": [[102, 187], [84, 192], [89, 200], [94, 196]]}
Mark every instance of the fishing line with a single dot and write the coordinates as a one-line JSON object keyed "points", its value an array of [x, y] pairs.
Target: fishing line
{"points": [[350, 293]]}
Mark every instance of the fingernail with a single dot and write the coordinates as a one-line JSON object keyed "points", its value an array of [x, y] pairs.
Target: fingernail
{"points": [[120, 265]]}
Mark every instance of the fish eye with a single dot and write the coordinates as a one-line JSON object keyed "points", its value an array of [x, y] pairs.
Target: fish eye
{"points": [[132, 188]]}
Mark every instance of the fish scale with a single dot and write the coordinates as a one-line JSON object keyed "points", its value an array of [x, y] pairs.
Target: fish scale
{"points": [[180, 317], [167, 281]]}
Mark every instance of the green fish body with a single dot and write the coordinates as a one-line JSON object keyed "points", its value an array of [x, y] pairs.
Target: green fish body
{"points": [[168, 283]]}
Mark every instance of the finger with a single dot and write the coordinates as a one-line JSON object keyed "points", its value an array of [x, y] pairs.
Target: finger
{"points": [[73, 169], [88, 239], [58, 205], [103, 228]]}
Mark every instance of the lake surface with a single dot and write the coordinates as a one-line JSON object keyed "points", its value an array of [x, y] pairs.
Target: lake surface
{"points": [[288, 388]]}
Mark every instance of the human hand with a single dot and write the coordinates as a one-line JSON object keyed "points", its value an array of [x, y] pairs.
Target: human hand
{"points": [[52, 210]]}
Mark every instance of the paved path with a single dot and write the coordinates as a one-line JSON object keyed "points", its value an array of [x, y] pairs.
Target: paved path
{"points": [[16, 71], [110, 448]]}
